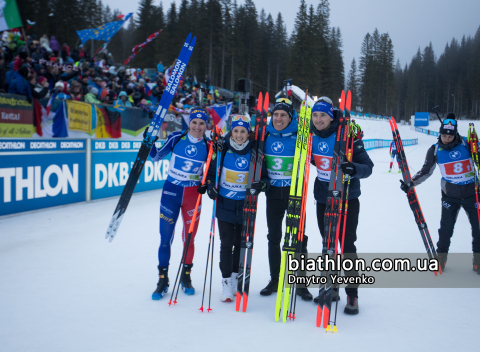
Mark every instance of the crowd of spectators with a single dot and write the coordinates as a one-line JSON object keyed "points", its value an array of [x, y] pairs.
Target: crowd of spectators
{"points": [[45, 69]]}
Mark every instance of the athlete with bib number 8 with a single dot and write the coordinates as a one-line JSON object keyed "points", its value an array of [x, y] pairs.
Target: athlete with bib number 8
{"points": [[452, 155], [189, 153]]}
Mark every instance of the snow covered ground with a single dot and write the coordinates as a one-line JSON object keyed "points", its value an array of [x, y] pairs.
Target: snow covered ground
{"points": [[65, 288]]}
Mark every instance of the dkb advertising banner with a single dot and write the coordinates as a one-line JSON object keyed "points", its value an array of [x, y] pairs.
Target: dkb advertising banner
{"points": [[41, 173], [16, 116], [111, 165]]}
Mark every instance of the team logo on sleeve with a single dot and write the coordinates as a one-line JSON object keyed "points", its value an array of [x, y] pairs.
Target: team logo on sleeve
{"points": [[454, 154], [277, 147], [323, 147], [241, 163], [191, 150]]}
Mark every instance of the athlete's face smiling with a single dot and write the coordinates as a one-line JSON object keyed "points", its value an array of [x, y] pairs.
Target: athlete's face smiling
{"points": [[446, 138], [240, 135], [197, 128], [281, 119], [321, 120]]}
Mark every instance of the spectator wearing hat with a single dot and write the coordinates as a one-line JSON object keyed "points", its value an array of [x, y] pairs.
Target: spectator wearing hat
{"points": [[61, 90], [91, 96], [123, 99], [38, 87]]}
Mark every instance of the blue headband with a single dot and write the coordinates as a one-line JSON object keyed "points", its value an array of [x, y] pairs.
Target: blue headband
{"points": [[198, 114], [241, 124], [323, 107]]}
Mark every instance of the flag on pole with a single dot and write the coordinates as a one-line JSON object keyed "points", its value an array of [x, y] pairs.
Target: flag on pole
{"points": [[220, 114], [50, 102], [139, 47], [9, 15], [104, 32]]}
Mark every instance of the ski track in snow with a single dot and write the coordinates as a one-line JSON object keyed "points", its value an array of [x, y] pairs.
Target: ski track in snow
{"points": [[65, 288]]}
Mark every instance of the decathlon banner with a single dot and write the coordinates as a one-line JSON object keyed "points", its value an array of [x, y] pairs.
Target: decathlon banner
{"points": [[112, 162], [422, 118], [41, 173]]}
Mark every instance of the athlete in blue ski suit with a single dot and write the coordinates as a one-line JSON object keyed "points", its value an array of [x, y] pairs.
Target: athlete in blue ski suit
{"points": [[189, 153], [234, 173]]}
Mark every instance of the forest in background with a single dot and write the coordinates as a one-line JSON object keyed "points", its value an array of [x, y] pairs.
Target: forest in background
{"points": [[239, 41]]}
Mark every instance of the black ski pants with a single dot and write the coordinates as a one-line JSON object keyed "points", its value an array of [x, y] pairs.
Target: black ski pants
{"points": [[230, 241], [349, 248], [276, 209], [450, 210]]}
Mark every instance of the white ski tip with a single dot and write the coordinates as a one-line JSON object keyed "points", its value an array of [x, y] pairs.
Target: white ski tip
{"points": [[113, 227]]}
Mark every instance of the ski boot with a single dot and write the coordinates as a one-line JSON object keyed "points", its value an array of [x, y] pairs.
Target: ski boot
{"points": [[162, 286], [234, 283], [476, 263], [270, 288], [335, 297], [442, 260], [352, 305], [227, 294], [186, 281], [304, 294]]}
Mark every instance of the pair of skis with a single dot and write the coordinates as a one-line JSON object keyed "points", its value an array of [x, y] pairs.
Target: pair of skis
{"points": [[295, 222], [250, 205], [152, 132], [336, 210], [472, 142], [217, 149], [412, 194]]}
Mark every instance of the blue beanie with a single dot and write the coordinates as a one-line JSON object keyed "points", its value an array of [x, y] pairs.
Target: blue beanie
{"points": [[323, 107], [241, 124], [198, 114]]}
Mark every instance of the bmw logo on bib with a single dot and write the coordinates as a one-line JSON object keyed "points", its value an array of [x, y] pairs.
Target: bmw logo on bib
{"points": [[323, 147], [191, 150], [277, 147], [454, 154], [241, 163]]}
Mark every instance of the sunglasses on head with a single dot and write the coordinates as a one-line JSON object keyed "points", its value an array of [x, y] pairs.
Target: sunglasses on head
{"points": [[241, 118], [325, 100], [453, 122], [284, 100]]}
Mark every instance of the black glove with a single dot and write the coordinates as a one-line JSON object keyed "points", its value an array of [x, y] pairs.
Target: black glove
{"points": [[348, 168], [212, 193], [202, 189], [257, 187], [145, 134], [404, 186]]}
